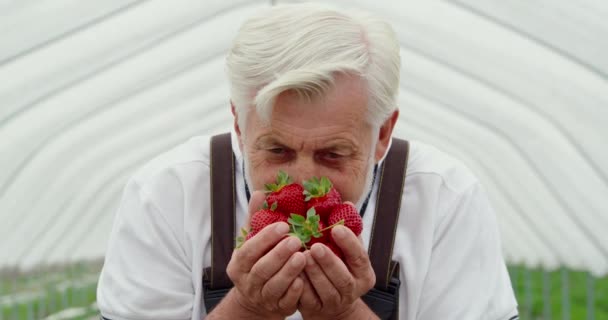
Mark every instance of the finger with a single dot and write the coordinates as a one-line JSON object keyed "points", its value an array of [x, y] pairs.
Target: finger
{"points": [[253, 249], [309, 298], [323, 287], [335, 270], [255, 203], [272, 262], [276, 286], [289, 301], [354, 253]]}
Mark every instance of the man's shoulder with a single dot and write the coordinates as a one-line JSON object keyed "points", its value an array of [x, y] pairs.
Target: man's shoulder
{"points": [[175, 185], [159, 228], [428, 163]]}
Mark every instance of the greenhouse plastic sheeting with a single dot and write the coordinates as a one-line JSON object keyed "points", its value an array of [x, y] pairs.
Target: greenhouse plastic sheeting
{"points": [[90, 90]]}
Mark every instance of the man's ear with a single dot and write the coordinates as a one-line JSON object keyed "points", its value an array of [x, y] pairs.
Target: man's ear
{"points": [[236, 119], [385, 134], [237, 129]]}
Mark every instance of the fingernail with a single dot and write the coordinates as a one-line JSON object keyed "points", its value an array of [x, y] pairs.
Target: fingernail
{"points": [[318, 251], [339, 232], [293, 243], [282, 228]]}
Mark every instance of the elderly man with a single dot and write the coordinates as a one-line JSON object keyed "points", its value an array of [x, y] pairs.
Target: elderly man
{"points": [[313, 93]]}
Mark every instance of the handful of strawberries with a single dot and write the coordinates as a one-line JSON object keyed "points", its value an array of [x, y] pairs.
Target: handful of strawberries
{"points": [[310, 209]]}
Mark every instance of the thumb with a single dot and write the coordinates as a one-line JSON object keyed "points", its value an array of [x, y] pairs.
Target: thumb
{"points": [[255, 203]]}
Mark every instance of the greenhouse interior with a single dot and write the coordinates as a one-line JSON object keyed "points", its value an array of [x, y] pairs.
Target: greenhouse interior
{"points": [[92, 90]]}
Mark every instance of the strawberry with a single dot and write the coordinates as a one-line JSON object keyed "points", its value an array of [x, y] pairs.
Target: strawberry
{"points": [[288, 196], [308, 210], [335, 249], [264, 217], [250, 235], [321, 195], [348, 213]]}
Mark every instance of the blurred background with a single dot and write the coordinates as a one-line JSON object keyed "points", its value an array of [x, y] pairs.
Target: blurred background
{"points": [[90, 90]]}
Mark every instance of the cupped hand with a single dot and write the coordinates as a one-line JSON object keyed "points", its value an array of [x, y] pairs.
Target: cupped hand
{"points": [[265, 270], [332, 288]]}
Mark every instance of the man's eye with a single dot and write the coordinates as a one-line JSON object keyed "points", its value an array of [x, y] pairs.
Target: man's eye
{"points": [[277, 150], [332, 155]]}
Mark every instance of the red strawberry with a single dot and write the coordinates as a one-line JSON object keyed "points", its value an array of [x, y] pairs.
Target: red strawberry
{"points": [[250, 235], [288, 196], [265, 217], [321, 195], [348, 213]]}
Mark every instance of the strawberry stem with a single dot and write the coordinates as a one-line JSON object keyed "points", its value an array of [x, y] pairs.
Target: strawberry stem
{"points": [[341, 222]]}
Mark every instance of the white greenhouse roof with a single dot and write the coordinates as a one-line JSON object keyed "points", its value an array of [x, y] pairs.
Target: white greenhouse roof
{"points": [[90, 90]]}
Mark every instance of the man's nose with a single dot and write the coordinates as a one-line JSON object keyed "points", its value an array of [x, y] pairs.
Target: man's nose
{"points": [[303, 168]]}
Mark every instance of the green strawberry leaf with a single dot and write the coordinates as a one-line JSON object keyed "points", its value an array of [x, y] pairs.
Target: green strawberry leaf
{"points": [[270, 187], [282, 180], [315, 188], [325, 184], [305, 228], [311, 188], [297, 218], [305, 239], [240, 240], [274, 206], [311, 212]]}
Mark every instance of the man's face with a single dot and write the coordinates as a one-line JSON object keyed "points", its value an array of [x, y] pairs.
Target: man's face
{"points": [[328, 136]]}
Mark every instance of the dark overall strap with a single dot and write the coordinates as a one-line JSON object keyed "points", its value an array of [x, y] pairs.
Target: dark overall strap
{"points": [[383, 299], [388, 204], [216, 282]]}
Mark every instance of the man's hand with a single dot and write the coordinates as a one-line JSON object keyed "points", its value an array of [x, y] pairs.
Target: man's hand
{"points": [[332, 290], [265, 272]]}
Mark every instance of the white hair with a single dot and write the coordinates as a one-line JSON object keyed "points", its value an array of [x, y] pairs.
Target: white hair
{"points": [[302, 47]]}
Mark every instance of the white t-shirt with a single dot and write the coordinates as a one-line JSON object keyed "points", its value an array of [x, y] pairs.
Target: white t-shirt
{"points": [[447, 240]]}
